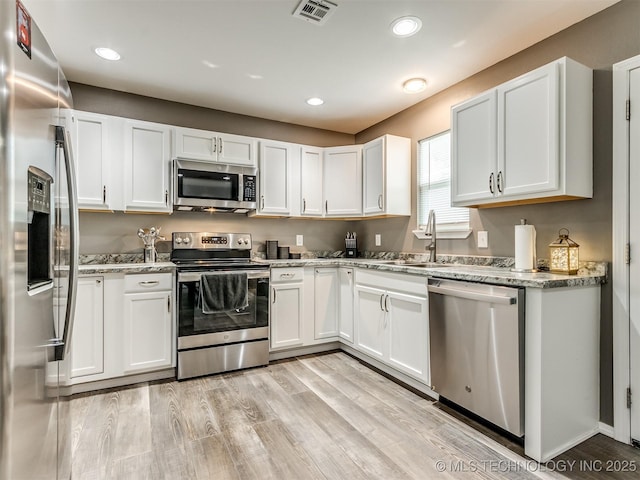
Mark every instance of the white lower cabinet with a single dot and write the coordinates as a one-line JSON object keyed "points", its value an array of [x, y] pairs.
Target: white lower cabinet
{"points": [[326, 294], [87, 343], [345, 318], [392, 324], [287, 307], [147, 323], [123, 326]]}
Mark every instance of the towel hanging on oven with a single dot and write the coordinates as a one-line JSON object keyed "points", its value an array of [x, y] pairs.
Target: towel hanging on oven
{"points": [[222, 292]]}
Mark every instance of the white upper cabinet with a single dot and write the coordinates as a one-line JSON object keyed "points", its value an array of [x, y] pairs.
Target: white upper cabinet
{"points": [[147, 159], [93, 143], [526, 141], [387, 176], [275, 178], [214, 147], [311, 203], [342, 174]]}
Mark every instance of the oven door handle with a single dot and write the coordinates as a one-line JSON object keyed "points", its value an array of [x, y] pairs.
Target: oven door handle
{"points": [[184, 277]]}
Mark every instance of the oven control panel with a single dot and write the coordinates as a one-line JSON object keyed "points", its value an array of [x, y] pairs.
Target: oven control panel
{"points": [[211, 241]]}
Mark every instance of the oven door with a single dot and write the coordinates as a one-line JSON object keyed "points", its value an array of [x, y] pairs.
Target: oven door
{"points": [[199, 329]]}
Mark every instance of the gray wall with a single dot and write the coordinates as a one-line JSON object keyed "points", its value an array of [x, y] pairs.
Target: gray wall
{"points": [[598, 42]]}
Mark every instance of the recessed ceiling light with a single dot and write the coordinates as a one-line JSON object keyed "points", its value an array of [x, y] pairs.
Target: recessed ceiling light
{"points": [[414, 85], [315, 101], [253, 76], [406, 26], [209, 64], [107, 53]]}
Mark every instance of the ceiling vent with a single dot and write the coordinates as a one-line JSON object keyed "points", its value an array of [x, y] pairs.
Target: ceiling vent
{"points": [[315, 11]]}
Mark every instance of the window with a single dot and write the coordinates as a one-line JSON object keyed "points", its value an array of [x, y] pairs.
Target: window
{"points": [[434, 188]]}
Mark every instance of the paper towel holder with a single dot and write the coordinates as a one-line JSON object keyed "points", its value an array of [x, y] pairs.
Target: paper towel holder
{"points": [[523, 221]]}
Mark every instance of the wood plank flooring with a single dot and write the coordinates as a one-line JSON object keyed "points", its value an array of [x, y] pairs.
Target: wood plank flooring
{"points": [[316, 417]]}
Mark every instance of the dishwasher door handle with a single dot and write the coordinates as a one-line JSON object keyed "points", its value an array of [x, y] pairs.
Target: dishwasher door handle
{"points": [[481, 297]]}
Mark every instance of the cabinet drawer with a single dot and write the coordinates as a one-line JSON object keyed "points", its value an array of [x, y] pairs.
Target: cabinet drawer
{"points": [[146, 282], [401, 282], [287, 275]]}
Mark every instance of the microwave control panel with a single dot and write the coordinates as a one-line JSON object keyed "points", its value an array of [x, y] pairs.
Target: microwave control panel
{"points": [[249, 194]]}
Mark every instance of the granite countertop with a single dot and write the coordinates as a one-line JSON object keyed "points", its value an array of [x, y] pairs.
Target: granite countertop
{"points": [[591, 273], [495, 270], [123, 263]]}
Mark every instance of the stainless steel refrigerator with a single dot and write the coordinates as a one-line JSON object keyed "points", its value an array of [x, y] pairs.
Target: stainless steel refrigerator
{"points": [[38, 251]]}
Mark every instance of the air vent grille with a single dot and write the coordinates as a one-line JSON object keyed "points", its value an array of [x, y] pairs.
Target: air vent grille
{"points": [[315, 11]]}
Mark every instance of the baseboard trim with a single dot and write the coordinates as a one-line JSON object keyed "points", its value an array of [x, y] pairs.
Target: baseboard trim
{"points": [[300, 351], [606, 430], [117, 382]]}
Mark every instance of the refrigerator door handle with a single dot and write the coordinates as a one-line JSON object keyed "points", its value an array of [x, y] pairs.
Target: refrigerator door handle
{"points": [[63, 140]]}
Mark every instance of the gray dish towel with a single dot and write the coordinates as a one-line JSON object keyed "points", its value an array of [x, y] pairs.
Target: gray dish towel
{"points": [[222, 292]]}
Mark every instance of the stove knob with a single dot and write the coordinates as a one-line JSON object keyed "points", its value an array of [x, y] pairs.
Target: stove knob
{"points": [[186, 240], [240, 241], [178, 240]]}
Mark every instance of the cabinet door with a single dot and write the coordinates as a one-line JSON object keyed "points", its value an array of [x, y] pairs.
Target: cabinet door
{"points": [[274, 173], [373, 164], [326, 291], [311, 181], [147, 157], [90, 145], [286, 315], [473, 150], [370, 321], [528, 133], [87, 342], [147, 331], [345, 325], [343, 181], [408, 334], [195, 144], [237, 150]]}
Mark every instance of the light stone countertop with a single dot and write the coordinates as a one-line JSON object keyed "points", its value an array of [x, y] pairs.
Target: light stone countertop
{"points": [[592, 273], [474, 269]]}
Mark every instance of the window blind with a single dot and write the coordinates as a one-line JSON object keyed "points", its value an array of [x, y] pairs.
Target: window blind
{"points": [[434, 184]]}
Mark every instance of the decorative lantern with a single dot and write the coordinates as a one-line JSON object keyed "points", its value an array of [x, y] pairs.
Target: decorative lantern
{"points": [[563, 254]]}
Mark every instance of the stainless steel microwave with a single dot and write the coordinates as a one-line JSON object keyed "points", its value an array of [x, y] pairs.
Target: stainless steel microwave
{"points": [[213, 187]]}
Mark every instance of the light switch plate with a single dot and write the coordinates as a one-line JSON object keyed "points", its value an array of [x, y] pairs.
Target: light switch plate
{"points": [[483, 239], [299, 240], [378, 239]]}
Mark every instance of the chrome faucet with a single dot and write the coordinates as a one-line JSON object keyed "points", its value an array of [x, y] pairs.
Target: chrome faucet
{"points": [[430, 232]]}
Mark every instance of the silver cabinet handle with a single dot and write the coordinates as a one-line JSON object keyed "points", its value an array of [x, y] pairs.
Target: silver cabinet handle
{"points": [[98, 282], [386, 304], [220, 146], [287, 275], [381, 297], [380, 202], [166, 197], [274, 296], [261, 202], [304, 205], [491, 183], [104, 194], [149, 283], [500, 181], [326, 206], [214, 142]]}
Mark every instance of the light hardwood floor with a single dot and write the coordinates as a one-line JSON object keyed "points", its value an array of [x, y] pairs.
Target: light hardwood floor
{"points": [[318, 417]]}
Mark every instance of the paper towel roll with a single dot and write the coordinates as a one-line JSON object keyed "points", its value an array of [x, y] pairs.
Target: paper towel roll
{"points": [[525, 247]]}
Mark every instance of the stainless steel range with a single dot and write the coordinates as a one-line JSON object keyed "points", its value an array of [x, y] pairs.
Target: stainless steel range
{"points": [[223, 303]]}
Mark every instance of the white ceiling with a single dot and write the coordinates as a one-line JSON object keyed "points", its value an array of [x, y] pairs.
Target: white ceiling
{"points": [[205, 52]]}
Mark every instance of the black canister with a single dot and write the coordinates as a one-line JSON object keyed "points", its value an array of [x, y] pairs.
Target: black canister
{"points": [[283, 252], [272, 249]]}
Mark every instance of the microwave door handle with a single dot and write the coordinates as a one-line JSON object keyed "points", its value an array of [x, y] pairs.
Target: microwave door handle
{"points": [[63, 141]]}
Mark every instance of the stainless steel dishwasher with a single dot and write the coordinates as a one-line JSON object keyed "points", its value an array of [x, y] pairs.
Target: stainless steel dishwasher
{"points": [[477, 349]]}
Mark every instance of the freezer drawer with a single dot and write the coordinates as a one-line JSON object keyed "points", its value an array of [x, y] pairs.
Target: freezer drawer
{"points": [[477, 349]]}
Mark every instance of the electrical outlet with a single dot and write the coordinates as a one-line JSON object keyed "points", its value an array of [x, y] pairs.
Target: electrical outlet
{"points": [[483, 239], [378, 239], [299, 240]]}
